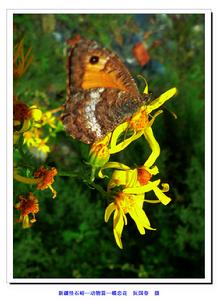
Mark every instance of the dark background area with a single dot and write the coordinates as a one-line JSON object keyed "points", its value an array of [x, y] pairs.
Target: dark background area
{"points": [[70, 238]]}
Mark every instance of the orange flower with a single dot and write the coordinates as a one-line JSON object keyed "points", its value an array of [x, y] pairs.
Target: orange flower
{"points": [[28, 205], [21, 60], [47, 178], [141, 54]]}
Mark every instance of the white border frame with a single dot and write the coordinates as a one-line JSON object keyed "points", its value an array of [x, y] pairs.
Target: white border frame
{"points": [[208, 213]]}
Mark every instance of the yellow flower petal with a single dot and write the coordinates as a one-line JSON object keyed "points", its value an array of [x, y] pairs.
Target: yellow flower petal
{"points": [[148, 133], [26, 223], [165, 187], [112, 165], [154, 170], [118, 228], [142, 189], [141, 220], [122, 145], [152, 201], [137, 221], [154, 117], [124, 217], [117, 132], [161, 100], [116, 165], [121, 177], [109, 210], [100, 174], [36, 113], [26, 125], [142, 217], [161, 196]]}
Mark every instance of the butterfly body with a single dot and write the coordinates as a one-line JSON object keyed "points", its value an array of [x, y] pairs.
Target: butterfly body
{"points": [[101, 93]]}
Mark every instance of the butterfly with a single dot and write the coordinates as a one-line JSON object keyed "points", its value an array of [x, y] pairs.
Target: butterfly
{"points": [[101, 93]]}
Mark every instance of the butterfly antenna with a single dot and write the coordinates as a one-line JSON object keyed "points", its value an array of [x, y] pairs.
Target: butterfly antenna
{"points": [[146, 84], [170, 112]]}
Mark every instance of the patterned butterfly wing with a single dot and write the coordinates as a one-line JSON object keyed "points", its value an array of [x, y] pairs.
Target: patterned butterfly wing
{"points": [[101, 93], [95, 112], [91, 66]]}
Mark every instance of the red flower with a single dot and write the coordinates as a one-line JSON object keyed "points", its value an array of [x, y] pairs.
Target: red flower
{"points": [[28, 204], [21, 111], [47, 178], [141, 54]]}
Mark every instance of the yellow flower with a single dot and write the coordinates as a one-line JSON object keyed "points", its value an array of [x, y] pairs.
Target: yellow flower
{"points": [[140, 123], [28, 204], [39, 148], [34, 137], [155, 152], [99, 154], [123, 204], [37, 145], [24, 118], [42, 146], [137, 126], [36, 113], [31, 137], [48, 118], [135, 183]]}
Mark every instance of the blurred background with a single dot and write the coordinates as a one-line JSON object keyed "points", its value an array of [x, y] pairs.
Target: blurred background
{"points": [[70, 238]]}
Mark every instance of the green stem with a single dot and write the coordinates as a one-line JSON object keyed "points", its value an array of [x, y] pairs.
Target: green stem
{"points": [[20, 147], [89, 182], [92, 176], [26, 179], [67, 174], [99, 189]]}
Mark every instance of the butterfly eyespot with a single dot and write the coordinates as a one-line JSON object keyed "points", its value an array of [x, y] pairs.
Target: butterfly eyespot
{"points": [[94, 60]]}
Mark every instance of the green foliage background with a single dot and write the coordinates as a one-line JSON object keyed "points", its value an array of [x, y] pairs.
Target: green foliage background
{"points": [[70, 238]]}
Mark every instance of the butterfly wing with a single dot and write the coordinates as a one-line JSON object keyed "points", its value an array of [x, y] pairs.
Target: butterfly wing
{"points": [[101, 93], [91, 66], [93, 113]]}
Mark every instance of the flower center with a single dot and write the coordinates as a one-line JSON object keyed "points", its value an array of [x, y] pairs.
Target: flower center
{"points": [[28, 204], [140, 120], [143, 176], [101, 150], [124, 202]]}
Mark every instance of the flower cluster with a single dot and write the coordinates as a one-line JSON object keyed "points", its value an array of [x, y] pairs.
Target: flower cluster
{"points": [[43, 179], [24, 118], [32, 129], [127, 186]]}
